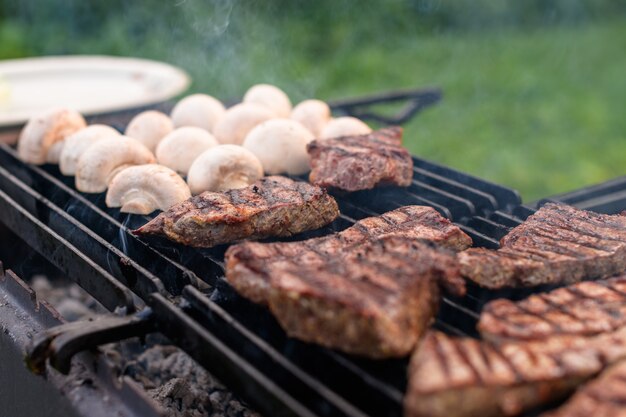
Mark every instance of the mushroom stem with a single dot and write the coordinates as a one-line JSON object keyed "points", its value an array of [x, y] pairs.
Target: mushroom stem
{"points": [[237, 180], [138, 202]]}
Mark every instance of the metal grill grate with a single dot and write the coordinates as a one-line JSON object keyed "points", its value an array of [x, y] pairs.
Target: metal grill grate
{"points": [[238, 341], [323, 382]]}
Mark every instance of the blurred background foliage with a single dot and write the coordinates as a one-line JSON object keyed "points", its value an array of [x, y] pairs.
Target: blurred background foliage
{"points": [[534, 90]]}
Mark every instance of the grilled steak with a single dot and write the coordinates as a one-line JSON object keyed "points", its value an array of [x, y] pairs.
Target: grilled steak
{"points": [[370, 290], [586, 308], [361, 162], [467, 377], [272, 206], [250, 265], [557, 244], [604, 396]]}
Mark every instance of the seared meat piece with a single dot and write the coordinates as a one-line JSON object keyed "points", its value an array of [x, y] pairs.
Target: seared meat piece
{"points": [[361, 162], [272, 206], [250, 266], [467, 377], [557, 244], [586, 308], [370, 289], [604, 396], [375, 300]]}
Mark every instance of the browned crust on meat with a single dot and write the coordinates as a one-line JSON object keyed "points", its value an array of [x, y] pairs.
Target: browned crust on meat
{"points": [[369, 290], [375, 301], [604, 396], [558, 244], [466, 377], [272, 206], [586, 308], [249, 265], [361, 162]]}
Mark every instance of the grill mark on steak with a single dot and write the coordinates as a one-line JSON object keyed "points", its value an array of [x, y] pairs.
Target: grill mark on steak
{"points": [[574, 230], [520, 375], [362, 162], [582, 309], [610, 285], [272, 206], [557, 244], [605, 395], [371, 289]]}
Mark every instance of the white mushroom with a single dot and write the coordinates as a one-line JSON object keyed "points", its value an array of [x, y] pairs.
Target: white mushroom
{"points": [[222, 168], [54, 152], [102, 160], [78, 142], [199, 110], [312, 114], [179, 149], [142, 189], [270, 97], [345, 126], [44, 130], [280, 145], [238, 121], [149, 127]]}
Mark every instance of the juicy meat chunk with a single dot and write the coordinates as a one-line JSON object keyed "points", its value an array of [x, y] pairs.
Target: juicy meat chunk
{"points": [[586, 308], [370, 290], [457, 377], [272, 206], [557, 244], [251, 266], [362, 162], [604, 396]]}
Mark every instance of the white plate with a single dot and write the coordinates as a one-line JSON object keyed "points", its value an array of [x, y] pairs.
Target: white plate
{"points": [[89, 84]]}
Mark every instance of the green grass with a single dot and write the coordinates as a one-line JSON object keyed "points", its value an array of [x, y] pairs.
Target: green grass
{"points": [[543, 112], [540, 110]]}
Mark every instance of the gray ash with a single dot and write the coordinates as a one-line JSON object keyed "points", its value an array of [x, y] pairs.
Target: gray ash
{"points": [[175, 380], [170, 376]]}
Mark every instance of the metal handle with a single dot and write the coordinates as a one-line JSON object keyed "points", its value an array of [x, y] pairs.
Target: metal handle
{"points": [[59, 344], [415, 100]]}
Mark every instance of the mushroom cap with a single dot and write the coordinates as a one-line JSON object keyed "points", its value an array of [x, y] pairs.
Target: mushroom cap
{"points": [[238, 121], [78, 142], [280, 145], [199, 110], [149, 127], [54, 152], [345, 126], [312, 114], [222, 168], [44, 130], [179, 149], [142, 189], [271, 97], [103, 159]]}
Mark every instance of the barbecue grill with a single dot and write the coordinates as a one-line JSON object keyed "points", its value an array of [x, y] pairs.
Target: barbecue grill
{"points": [[158, 286]]}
